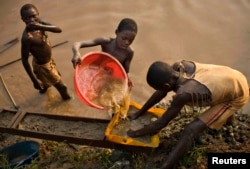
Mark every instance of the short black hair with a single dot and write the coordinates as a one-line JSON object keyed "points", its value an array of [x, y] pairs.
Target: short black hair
{"points": [[158, 74], [26, 7], [127, 24]]}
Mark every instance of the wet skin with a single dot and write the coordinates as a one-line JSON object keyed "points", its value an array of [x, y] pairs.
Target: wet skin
{"points": [[184, 95], [184, 89], [35, 41], [118, 47]]}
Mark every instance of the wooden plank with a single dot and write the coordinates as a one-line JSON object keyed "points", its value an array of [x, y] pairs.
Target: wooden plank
{"points": [[101, 142]]}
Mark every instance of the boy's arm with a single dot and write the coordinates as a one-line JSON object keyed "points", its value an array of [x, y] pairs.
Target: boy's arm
{"points": [[76, 59], [126, 66], [45, 26], [155, 98], [128, 61], [25, 48], [175, 107]]}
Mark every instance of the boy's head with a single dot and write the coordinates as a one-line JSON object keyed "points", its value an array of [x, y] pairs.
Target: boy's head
{"points": [[126, 32], [127, 24], [29, 13], [159, 73]]}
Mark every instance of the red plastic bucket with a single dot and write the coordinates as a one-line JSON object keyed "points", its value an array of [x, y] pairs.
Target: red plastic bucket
{"points": [[89, 77]]}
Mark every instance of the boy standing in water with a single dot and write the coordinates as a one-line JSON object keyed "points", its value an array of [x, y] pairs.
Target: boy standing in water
{"points": [[118, 47], [35, 41]]}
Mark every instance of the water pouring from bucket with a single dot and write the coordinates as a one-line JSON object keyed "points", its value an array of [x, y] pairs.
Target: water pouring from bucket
{"points": [[101, 82]]}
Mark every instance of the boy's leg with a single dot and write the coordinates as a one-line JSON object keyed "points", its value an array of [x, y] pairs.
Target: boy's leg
{"points": [[62, 89], [190, 132]]}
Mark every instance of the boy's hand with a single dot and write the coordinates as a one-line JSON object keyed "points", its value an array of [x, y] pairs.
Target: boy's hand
{"points": [[76, 61], [134, 116], [131, 133], [130, 84], [34, 26]]}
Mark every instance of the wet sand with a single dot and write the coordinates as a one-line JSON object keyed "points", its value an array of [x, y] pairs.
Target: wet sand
{"points": [[204, 31]]}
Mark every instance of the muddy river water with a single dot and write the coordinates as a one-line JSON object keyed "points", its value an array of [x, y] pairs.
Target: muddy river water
{"points": [[208, 31]]}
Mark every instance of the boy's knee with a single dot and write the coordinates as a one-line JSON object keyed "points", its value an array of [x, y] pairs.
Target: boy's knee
{"points": [[193, 129], [230, 119]]}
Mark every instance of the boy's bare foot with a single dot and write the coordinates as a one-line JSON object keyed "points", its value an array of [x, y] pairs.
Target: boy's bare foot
{"points": [[66, 96], [43, 90]]}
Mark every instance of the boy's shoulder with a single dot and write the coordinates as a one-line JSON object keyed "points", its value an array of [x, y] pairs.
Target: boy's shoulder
{"points": [[26, 35], [104, 39], [130, 51]]}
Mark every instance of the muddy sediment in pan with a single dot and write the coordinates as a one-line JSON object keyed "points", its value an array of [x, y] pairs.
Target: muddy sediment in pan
{"points": [[87, 129], [6, 118], [81, 129], [74, 127], [123, 125]]}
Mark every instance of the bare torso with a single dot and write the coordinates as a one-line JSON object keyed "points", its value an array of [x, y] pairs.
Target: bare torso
{"points": [[123, 56], [39, 46]]}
